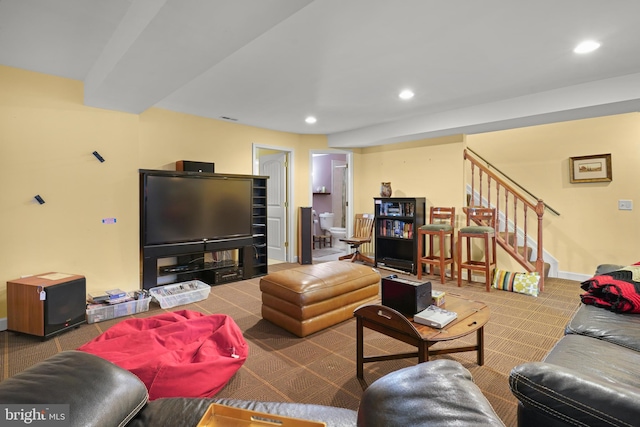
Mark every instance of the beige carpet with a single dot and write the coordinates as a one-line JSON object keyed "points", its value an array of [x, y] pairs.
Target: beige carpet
{"points": [[321, 367]]}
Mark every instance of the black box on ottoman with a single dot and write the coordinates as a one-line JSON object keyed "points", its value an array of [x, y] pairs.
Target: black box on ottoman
{"points": [[406, 296]]}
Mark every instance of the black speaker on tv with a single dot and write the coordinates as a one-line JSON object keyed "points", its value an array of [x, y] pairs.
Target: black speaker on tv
{"points": [[46, 304], [190, 166]]}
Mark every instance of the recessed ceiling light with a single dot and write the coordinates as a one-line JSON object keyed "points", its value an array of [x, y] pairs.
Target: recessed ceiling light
{"points": [[406, 94], [311, 120], [587, 46]]}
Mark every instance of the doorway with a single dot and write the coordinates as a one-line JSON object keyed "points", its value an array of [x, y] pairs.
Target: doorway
{"points": [[331, 198], [275, 162]]}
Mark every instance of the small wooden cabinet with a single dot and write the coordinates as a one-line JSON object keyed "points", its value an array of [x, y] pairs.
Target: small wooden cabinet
{"points": [[397, 220], [46, 304]]}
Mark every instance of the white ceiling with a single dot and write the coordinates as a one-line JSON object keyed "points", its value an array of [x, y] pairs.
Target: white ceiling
{"points": [[475, 65]]}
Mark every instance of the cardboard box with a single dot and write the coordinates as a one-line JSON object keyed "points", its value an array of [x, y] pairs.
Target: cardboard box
{"points": [[406, 296], [437, 298]]}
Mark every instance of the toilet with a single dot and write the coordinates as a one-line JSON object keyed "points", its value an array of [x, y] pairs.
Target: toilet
{"points": [[338, 233], [326, 222]]}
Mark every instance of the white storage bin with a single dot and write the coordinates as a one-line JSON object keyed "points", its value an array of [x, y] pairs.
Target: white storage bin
{"points": [[180, 293], [106, 312]]}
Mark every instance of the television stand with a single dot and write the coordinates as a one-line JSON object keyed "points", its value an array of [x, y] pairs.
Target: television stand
{"points": [[211, 261]]}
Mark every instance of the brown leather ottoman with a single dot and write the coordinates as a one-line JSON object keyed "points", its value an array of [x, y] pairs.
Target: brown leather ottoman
{"points": [[309, 298]]}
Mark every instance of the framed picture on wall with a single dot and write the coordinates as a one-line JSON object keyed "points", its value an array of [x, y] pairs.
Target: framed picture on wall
{"points": [[596, 168]]}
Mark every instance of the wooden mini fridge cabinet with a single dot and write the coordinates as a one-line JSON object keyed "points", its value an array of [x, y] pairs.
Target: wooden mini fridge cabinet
{"points": [[46, 304]]}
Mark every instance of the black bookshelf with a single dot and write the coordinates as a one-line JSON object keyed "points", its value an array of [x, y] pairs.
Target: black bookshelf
{"points": [[397, 220], [259, 216]]}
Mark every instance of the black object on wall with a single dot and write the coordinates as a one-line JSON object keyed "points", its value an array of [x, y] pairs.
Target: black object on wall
{"points": [[98, 156], [190, 166], [305, 235], [39, 199]]}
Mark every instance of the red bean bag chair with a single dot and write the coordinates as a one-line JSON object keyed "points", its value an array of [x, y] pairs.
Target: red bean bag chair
{"points": [[179, 354]]}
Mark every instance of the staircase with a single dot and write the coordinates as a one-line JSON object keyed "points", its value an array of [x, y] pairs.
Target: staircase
{"points": [[519, 213]]}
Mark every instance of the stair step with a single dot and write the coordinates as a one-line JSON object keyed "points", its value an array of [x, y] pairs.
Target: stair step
{"points": [[546, 266], [509, 237], [520, 250]]}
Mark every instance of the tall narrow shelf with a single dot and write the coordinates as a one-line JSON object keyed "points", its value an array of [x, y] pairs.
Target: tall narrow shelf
{"points": [[259, 217], [397, 220]]}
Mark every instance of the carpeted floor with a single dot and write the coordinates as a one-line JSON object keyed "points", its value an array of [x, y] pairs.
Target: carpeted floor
{"points": [[321, 367]]}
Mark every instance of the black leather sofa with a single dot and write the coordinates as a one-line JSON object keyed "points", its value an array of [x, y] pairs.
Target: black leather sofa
{"points": [[590, 378], [99, 393]]}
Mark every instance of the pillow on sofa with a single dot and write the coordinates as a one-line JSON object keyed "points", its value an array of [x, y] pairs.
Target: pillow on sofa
{"points": [[523, 283]]}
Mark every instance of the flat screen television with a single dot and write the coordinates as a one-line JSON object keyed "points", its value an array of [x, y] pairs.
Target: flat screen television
{"points": [[180, 208]]}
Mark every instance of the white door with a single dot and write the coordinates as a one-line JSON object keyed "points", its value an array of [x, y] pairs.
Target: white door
{"points": [[275, 167]]}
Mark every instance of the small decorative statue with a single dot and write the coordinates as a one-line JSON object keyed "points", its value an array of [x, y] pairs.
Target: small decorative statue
{"points": [[385, 189]]}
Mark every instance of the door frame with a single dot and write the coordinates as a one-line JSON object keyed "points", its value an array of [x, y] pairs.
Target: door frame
{"points": [[289, 252], [349, 210]]}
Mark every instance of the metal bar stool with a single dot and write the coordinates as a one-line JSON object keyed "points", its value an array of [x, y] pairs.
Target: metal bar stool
{"points": [[441, 225], [481, 224]]}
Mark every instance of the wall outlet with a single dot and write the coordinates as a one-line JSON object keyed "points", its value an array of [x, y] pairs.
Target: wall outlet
{"points": [[625, 205]]}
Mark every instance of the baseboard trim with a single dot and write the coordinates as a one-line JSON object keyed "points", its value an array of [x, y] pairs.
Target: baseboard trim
{"points": [[3, 324], [574, 276], [578, 277]]}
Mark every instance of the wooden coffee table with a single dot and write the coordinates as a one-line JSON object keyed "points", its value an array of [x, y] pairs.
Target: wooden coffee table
{"points": [[472, 316]]}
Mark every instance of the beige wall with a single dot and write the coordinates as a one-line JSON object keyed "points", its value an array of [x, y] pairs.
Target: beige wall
{"points": [[429, 168], [46, 140], [47, 137], [590, 229]]}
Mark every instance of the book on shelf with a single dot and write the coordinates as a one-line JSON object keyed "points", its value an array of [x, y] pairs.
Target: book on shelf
{"points": [[397, 209], [396, 228], [435, 317]]}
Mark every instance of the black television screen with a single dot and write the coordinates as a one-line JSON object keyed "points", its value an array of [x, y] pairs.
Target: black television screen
{"points": [[195, 207]]}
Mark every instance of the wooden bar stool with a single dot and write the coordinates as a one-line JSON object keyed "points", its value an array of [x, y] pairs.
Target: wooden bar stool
{"points": [[481, 224], [441, 224]]}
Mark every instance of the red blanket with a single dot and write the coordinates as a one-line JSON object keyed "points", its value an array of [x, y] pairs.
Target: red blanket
{"points": [[179, 354], [618, 291]]}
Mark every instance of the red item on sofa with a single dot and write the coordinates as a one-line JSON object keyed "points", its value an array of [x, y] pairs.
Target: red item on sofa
{"points": [[618, 291], [178, 354]]}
